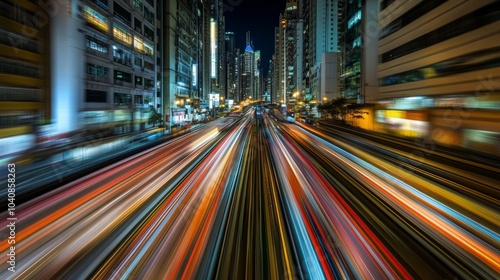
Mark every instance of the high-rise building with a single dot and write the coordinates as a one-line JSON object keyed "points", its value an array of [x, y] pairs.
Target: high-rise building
{"points": [[325, 29], [237, 74], [181, 62], [230, 81], [120, 58], [288, 58], [198, 77], [305, 16], [222, 52], [96, 66], [258, 77], [273, 75], [248, 70], [214, 52], [25, 74], [278, 90], [359, 59], [269, 81]]}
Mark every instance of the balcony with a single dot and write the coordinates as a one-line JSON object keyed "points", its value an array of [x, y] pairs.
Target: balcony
{"points": [[122, 61], [97, 53], [122, 83]]}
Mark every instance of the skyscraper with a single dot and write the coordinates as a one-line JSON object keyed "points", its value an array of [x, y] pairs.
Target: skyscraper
{"points": [[186, 64], [326, 29], [359, 42], [230, 81], [248, 68]]}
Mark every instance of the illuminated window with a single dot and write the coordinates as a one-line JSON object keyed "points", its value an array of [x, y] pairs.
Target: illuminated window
{"points": [[138, 81], [355, 19], [122, 57], [143, 47], [122, 35], [95, 44], [138, 44], [122, 76], [95, 19], [138, 4], [356, 42], [148, 49], [102, 3]]}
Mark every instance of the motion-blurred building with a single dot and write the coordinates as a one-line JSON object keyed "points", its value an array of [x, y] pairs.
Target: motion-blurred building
{"points": [[439, 71], [25, 73], [69, 66]]}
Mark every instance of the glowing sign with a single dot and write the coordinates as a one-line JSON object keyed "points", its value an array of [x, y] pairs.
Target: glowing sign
{"points": [[213, 48], [195, 75]]}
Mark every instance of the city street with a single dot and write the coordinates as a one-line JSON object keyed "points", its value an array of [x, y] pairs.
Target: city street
{"points": [[251, 197]]}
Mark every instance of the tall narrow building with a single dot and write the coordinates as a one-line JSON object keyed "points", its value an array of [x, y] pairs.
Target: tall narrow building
{"points": [[359, 41], [258, 77], [287, 53], [325, 50], [248, 70], [231, 71], [183, 76]]}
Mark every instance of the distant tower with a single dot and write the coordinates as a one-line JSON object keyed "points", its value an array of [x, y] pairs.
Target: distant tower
{"points": [[247, 76]]}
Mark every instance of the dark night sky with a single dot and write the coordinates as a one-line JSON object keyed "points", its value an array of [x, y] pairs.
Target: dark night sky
{"points": [[257, 16]]}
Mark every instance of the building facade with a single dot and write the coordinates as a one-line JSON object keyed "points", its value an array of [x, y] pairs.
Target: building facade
{"points": [[25, 74], [247, 74], [438, 71], [120, 58], [90, 65], [184, 66], [230, 81]]}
